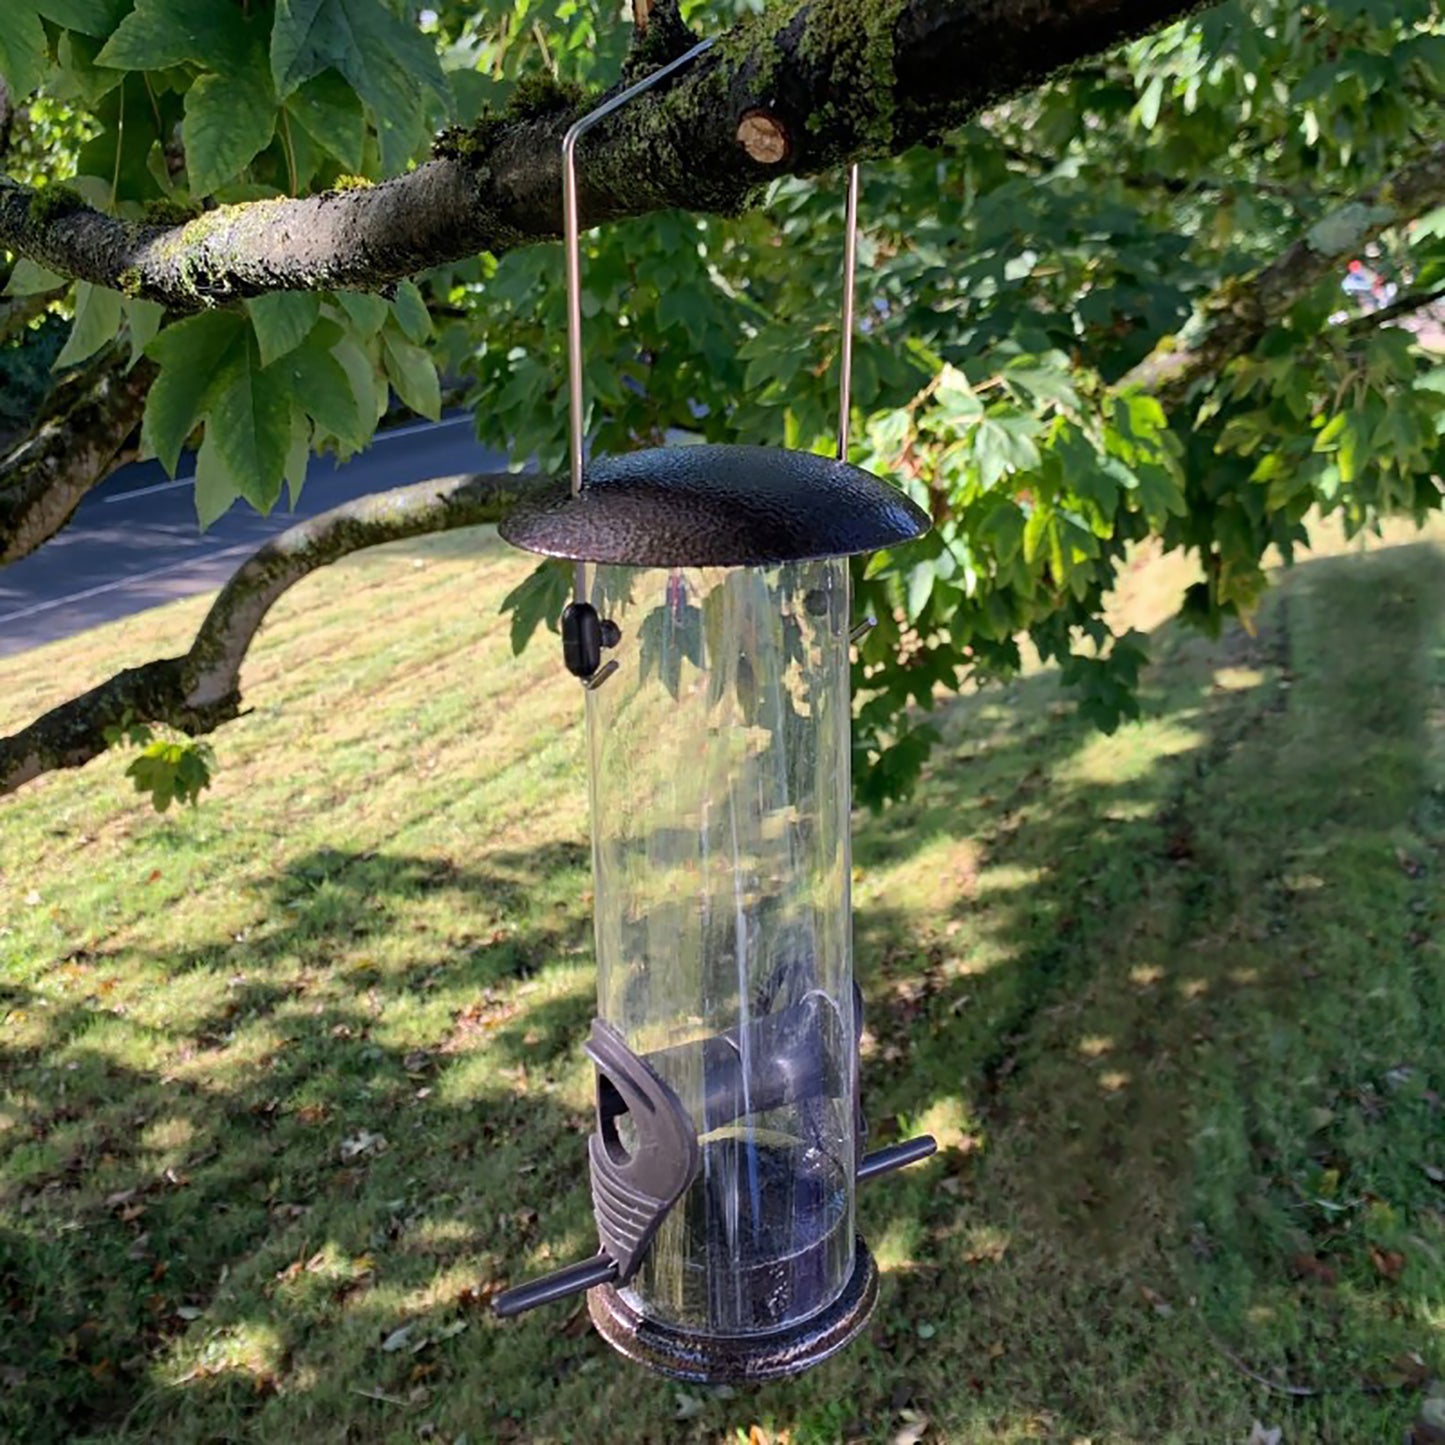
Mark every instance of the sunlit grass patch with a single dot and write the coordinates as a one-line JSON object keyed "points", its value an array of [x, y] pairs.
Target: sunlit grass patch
{"points": [[299, 1073]]}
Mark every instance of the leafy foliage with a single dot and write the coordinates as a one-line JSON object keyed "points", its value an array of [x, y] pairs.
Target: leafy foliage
{"points": [[168, 769], [1011, 277]]}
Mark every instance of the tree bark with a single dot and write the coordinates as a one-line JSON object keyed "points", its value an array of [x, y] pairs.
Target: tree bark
{"points": [[1231, 321], [78, 441], [845, 79]]}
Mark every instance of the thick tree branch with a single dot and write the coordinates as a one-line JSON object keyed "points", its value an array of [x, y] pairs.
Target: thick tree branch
{"points": [[201, 690], [1231, 321], [844, 79], [77, 443]]}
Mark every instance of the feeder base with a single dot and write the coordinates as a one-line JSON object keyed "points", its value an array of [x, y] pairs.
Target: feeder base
{"points": [[737, 1359]]}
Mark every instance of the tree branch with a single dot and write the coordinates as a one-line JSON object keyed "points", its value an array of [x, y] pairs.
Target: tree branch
{"points": [[1231, 321], [201, 690], [17, 314], [76, 444], [845, 79], [1405, 305]]}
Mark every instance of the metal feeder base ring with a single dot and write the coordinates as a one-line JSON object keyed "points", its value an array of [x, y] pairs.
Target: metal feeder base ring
{"points": [[737, 1359]]}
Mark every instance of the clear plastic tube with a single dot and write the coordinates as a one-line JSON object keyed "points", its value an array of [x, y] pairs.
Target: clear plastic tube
{"points": [[720, 815]]}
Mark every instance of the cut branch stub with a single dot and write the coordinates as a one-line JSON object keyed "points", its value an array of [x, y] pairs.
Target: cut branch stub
{"points": [[764, 137]]}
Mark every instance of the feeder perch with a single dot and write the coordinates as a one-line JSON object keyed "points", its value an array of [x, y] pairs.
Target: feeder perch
{"points": [[711, 628]]}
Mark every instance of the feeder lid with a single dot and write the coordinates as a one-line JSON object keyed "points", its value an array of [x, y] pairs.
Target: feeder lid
{"points": [[714, 506]]}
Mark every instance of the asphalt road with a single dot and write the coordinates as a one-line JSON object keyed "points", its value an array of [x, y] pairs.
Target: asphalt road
{"points": [[134, 542]]}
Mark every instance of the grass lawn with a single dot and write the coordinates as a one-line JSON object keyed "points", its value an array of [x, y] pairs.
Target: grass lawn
{"points": [[292, 1083]]}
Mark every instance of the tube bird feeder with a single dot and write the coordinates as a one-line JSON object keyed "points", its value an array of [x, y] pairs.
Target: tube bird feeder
{"points": [[711, 630]]}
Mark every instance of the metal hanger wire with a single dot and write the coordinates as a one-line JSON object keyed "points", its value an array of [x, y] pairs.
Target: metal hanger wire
{"points": [[573, 242]]}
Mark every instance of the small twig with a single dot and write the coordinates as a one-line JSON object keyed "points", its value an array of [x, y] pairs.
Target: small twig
{"points": [[378, 1395], [1296, 1392]]}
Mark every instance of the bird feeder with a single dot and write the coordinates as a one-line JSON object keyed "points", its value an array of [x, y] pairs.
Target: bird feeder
{"points": [[711, 630]]}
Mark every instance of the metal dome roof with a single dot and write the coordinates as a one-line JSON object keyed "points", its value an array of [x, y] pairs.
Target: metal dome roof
{"points": [[715, 506]]}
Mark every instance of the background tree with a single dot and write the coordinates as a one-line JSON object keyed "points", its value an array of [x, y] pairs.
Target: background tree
{"points": [[1096, 308]]}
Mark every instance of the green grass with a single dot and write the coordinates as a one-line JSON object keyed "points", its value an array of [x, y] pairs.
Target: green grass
{"points": [[292, 1071]]}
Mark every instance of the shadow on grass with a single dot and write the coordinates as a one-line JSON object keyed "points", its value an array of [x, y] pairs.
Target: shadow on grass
{"points": [[1175, 1001]]}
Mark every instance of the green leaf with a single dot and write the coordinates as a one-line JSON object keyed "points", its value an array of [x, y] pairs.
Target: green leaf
{"points": [[1160, 493], [30, 279], [282, 321], [188, 354], [89, 17], [330, 112], [1040, 534], [173, 771], [1346, 229], [161, 33], [143, 319], [368, 313], [956, 396], [414, 376], [217, 487], [1149, 103], [411, 312], [920, 588], [249, 414], [298, 459], [538, 601], [229, 120], [97, 320], [390, 65], [320, 385], [22, 47], [369, 390]]}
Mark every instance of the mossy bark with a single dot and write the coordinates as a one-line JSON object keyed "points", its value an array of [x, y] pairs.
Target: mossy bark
{"points": [[75, 444], [1231, 321], [846, 79]]}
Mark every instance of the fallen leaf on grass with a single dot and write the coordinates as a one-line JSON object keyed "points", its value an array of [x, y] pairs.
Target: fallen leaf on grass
{"points": [[1406, 1372], [1311, 1267], [1409, 866], [1156, 1301], [361, 1143], [689, 1407], [474, 1296], [1258, 1435], [1389, 1263], [398, 1339], [913, 1429], [1434, 1174]]}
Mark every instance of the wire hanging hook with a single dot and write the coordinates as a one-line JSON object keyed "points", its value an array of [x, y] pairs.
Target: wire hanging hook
{"points": [[572, 238], [850, 270]]}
